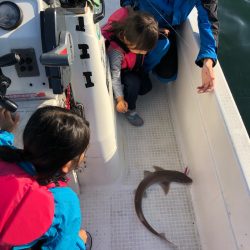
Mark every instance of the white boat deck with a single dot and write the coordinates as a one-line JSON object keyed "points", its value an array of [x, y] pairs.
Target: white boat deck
{"points": [[109, 213]]}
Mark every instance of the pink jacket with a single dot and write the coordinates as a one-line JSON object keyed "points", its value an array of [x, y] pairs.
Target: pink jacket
{"points": [[129, 58]]}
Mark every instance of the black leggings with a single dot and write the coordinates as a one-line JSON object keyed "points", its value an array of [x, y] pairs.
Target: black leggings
{"points": [[135, 83]]}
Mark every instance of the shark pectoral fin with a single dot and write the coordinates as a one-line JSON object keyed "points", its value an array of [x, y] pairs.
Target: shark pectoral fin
{"points": [[158, 168], [147, 173], [144, 194], [165, 186]]}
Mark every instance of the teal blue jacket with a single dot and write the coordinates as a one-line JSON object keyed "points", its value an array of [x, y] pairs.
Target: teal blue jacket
{"points": [[63, 233]]}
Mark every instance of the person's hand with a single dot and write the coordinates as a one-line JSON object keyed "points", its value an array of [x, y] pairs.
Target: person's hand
{"points": [[129, 7], [83, 235], [207, 75], [122, 105], [164, 31], [8, 121]]}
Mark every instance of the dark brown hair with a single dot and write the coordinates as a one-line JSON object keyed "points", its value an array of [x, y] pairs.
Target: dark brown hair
{"points": [[139, 28], [52, 137]]}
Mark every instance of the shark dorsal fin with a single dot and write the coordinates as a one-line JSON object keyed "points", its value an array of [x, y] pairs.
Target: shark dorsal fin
{"points": [[158, 168], [165, 186], [147, 173], [144, 194]]}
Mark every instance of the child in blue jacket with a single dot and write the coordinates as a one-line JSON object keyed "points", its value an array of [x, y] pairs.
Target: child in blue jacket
{"points": [[36, 206]]}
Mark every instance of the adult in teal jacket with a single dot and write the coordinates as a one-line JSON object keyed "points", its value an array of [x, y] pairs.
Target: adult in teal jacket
{"points": [[170, 14]]}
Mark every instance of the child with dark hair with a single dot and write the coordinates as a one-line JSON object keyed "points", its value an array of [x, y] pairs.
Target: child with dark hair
{"points": [[129, 36], [36, 206]]}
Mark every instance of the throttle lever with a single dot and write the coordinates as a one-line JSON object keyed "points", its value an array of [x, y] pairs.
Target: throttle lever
{"points": [[62, 55], [8, 104]]}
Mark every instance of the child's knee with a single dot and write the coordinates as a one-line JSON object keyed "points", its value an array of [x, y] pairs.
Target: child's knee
{"points": [[131, 80]]}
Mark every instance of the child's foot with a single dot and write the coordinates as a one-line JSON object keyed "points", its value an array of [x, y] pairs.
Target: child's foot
{"points": [[134, 118]]}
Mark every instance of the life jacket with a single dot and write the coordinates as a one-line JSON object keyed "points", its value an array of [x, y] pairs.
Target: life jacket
{"points": [[129, 58], [26, 208]]}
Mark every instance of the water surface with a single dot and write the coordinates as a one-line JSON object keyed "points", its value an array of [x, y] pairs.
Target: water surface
{"points": [[234, 51]]}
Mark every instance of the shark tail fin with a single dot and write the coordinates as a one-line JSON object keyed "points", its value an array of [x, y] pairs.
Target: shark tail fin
{"points": [[163, 236]]}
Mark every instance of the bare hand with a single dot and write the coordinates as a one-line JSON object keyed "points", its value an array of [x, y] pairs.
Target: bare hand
{"points": [[207, 75], [122, 105], [8, 121], [164, 31], [83, 235]]}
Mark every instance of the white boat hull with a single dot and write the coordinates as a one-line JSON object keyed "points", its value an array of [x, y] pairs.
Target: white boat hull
{"points": [[215, 146]]}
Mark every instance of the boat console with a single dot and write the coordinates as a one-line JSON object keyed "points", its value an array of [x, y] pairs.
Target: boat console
{"points": [[54, 51]]}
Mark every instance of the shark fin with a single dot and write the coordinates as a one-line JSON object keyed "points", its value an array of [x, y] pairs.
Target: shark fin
{"points": [[165, 186], [163, 236], [144, 194], [158, 168], [147, 173]]}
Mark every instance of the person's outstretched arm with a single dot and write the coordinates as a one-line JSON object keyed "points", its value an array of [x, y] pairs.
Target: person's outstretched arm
{"points": [[209, 29], [115, 59]]}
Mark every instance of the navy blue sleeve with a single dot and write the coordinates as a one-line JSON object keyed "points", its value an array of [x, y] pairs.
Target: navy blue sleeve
{"points": [[208, 28]]}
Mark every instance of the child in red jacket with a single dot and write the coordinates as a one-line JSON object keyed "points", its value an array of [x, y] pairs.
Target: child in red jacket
{"points": [[129, 37], [36, 206]]}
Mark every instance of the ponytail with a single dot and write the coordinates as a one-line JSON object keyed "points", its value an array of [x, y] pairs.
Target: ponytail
{"points": [[11, 154]]}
